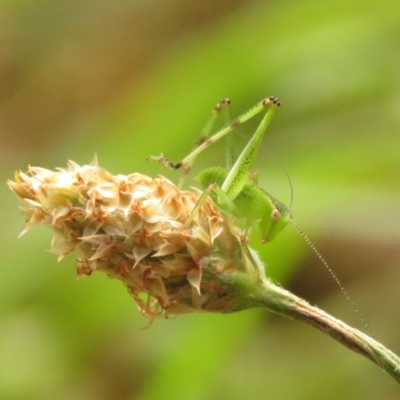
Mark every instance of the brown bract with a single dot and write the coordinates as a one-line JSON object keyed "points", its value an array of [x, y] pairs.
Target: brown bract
{"points": [[134, 229]]}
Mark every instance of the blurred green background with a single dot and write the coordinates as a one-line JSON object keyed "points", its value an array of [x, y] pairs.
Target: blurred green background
{"points": [[130, 78]]}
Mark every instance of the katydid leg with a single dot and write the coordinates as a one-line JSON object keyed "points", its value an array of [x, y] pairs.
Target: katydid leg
{"points": [[271, 102]]}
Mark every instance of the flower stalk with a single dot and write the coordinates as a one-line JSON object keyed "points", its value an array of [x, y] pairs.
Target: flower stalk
{"points": [[135, 229]]}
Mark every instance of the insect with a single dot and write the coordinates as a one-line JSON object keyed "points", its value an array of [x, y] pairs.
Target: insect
{"points": [[234, 189]]}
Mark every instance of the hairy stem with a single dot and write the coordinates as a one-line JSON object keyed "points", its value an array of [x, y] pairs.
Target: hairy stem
{"points": [[280, 301]]}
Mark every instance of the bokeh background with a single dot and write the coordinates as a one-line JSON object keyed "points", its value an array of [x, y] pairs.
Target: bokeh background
{"points": [[130, 78]]}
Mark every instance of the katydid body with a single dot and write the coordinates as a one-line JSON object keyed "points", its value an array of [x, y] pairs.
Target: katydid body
{"points": [[252, 203]]}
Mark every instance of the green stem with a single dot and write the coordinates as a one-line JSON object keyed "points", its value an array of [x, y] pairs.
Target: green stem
{"points": [[280, 301]]}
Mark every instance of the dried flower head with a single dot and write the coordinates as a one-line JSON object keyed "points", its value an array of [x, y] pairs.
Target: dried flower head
{"points": [[134, 228]]}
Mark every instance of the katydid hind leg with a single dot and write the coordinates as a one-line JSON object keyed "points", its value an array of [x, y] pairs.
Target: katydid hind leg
{"points": [[240, 172], [271, 101], [232, 152], [222, 105]]}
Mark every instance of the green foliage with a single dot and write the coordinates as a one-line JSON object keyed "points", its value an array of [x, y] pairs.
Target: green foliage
{"points": [[334, 65]]}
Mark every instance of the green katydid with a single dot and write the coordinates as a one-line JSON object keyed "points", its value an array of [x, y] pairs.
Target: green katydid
{"points": [[234, 191]]}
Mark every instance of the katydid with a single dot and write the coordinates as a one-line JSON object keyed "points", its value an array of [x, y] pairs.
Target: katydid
{"points": [[234, 191]]}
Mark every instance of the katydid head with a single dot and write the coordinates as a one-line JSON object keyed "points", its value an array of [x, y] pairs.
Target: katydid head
{"points": [[274, 221]]}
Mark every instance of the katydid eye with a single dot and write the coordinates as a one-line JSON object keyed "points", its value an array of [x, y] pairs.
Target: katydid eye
{"points": [[276, 214]]}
